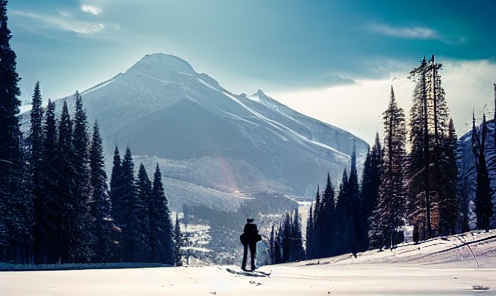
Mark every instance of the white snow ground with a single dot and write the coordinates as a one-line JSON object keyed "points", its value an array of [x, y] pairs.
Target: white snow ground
{"points": [[438, 267]]}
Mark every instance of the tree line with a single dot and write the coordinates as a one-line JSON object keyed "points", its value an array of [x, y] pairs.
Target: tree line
{"points": [[65, 212], [418, 187], [55, 202]]}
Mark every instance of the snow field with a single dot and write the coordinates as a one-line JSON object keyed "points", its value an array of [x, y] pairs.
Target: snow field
{"points": [[430, 268]]}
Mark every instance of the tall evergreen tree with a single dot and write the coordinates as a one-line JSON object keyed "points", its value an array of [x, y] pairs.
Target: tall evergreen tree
{"points": [[449, 204], [339, 241], [309, 237], [483, 202], [51, 205], [291, 238], [178, 242], [81, 180], [326, 220], [70, 235], [126, 212], [14, 201], [144, 222], [353, 231], [116, 188], [297, 238], [65, 188], [390, 211], [102, 225], [314, 249], [162, 236], [371, 180], [35, 144], [275, 252], [429, 120]]}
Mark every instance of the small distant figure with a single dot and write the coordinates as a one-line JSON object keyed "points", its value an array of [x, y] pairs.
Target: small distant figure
{"points": [[249, 238]]}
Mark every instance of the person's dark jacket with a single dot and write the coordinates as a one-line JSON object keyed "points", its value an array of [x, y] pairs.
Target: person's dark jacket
{"points": [[250, 234]]}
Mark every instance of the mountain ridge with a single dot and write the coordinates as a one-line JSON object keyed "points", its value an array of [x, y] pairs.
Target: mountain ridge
{"points": [[161, 107]]}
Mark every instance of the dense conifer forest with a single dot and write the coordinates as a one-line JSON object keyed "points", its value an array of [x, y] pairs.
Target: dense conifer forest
{"points": [[419, 187], [55, 203]]}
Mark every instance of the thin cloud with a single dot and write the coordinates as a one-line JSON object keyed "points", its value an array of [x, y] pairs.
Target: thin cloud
{"points": [[65, 23], [405, 32], [94, 10]]}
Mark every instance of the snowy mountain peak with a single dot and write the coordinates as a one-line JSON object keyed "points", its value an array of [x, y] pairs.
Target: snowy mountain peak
{"points": [[259, 96], [264, 99], [162, 62]]}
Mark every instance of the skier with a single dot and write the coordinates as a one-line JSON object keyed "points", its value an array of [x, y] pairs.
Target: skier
{"points": [[249, 238]]}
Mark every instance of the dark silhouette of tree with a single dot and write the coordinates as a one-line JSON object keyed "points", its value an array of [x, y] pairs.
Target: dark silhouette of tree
{"points": [[127, 204], [353, 206], [162, 235], [178, 242], [35, 144], [73, 234], [15, 200], [143, 221], [371, 179], [483, 202], [429, 123], [449, 203], [389, 214], [309, 237], [116, 188], [82, 190], [102, 225], [339, 239], [51, 204], [290, 239], [326, 220]]}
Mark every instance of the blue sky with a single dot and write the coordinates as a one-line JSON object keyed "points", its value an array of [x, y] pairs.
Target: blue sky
{"points": [[323, 58]]}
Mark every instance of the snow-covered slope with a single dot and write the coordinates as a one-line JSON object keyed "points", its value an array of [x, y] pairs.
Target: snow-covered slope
{"points": [[457, 265], [206, 137]]}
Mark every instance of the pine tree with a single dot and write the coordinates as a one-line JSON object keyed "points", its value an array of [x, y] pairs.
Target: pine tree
{"points": [[354, 216], [390, 210], [483, 202], [126, 211], [102, 225], [315, 250], [449, 204], [14, 200], [81, 181], [51, 204], [285, 238], [326, 220], [144, 221], [298, 253], [371, 180], [65, 188], [116, 188], [67, 194], [429, 120], [339, 238], [275, 256], [162, 233], [309, 237], [178, 242], [35, 143]]}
